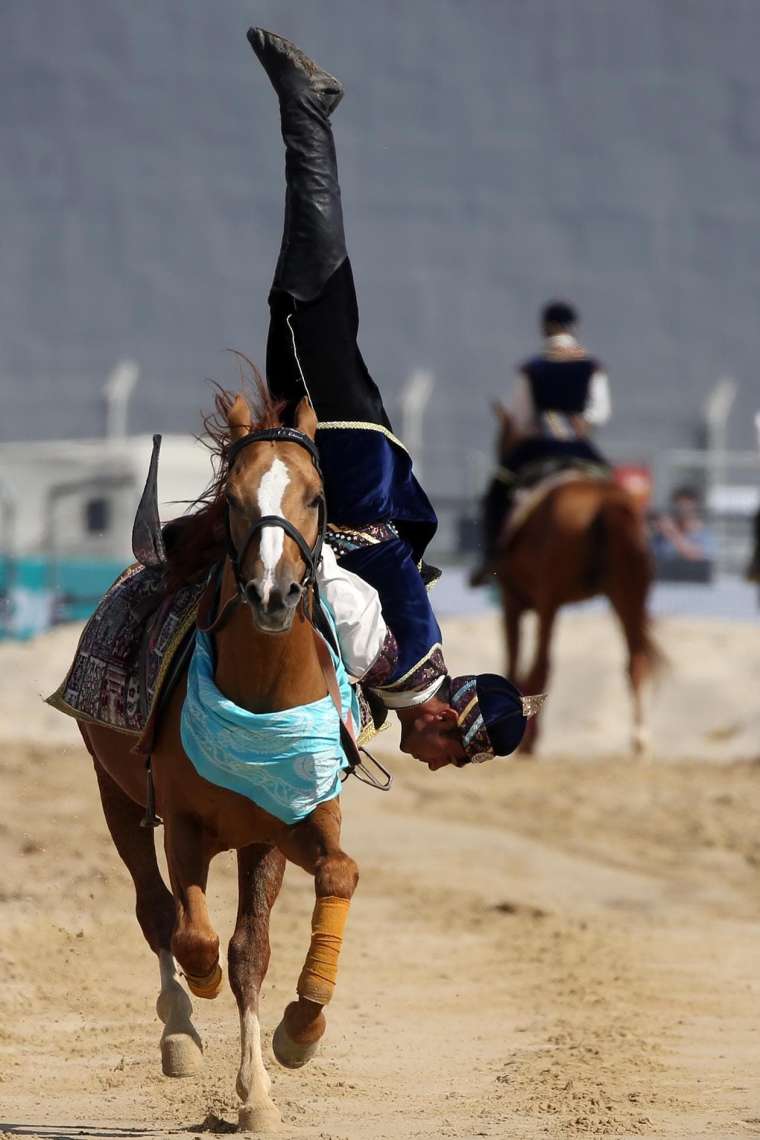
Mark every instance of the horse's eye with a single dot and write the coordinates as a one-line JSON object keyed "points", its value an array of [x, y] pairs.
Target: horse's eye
{"points": [[315, 502], [232, 501]]}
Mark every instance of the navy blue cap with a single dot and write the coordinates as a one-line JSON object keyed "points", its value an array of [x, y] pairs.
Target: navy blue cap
{"points": [[492, 714]]}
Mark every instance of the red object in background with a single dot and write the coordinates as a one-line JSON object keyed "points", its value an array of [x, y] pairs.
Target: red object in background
{"points": [[637, 480]]}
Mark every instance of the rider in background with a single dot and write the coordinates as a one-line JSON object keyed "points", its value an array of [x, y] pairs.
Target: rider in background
{"points": [[563, 392], [559, 397]]}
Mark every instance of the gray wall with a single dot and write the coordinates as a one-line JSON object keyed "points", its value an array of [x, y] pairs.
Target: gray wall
{"points": [[493, 153]]}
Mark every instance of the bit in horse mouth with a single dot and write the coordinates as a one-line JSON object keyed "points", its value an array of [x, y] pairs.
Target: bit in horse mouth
{"points": [[260, 621]]}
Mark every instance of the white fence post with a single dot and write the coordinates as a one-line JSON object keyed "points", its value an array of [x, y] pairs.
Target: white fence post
{"points": [[414, 400], [117, 390]]}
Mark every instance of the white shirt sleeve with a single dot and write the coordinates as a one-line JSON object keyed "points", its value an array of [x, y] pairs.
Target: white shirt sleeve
{"points": [[408, 699], [359, 619], [523, 412], [599, 406]]}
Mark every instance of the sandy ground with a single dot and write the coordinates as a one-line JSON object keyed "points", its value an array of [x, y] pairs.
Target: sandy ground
{"points": [[548, 948]]}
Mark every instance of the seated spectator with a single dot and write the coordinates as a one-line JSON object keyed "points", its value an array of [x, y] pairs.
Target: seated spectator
{"points": [[681, 533]]}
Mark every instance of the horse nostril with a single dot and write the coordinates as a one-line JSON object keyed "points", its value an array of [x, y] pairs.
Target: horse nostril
{"points": [[252, 593], [275, 600]]}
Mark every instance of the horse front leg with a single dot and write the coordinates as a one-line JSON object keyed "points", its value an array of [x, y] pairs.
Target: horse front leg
{"points": [[538, 677], [314, 844], [630, 606], [260, 872], [195, 943], [181, 1047]]}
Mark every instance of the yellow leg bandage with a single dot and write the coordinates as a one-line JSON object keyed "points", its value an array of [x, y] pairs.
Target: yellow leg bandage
{"points": [[208, 987], [320, 970]]}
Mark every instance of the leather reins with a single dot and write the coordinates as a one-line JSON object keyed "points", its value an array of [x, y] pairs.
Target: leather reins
{"points": [[310, 554]]}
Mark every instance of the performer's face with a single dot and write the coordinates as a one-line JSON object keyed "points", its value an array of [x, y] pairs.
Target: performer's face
{"points": [[430, 734]]}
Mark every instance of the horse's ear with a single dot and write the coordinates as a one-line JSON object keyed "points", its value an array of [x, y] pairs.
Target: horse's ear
{"points": [[305, 419], [237, 413]]}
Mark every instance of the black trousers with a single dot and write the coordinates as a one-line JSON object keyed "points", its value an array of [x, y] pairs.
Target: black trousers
{"points": [[312, 349], [495, 506]]}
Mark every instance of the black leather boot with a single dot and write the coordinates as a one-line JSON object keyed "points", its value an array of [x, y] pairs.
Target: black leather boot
{"points": [[495, 510], [291, 72], [313, 242]]}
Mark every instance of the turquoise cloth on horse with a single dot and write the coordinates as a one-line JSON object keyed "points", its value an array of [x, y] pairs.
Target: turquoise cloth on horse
{"points": [[285, 762]]}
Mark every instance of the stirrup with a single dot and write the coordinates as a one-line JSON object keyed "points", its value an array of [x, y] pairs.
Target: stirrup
{"points": [[150, 819], [369, 778]]}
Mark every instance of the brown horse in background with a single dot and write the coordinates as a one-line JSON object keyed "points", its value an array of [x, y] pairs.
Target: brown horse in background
{"points": [[268, 659], [584, 538]]}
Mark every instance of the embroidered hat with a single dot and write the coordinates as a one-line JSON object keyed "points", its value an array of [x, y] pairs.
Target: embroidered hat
{"points": [[491, 714]]}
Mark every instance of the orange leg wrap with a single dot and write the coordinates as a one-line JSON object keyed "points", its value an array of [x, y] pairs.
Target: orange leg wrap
{"points": [[320, 970], [207, 987]]}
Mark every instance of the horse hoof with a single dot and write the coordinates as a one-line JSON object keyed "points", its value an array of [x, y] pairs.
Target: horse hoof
{"points": [[265, 1118], [641, 746], [180, 1055], [208, 987], [288, 1052]]}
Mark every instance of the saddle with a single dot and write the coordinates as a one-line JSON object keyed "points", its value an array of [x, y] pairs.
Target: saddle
{"points": [[126, 652], [132, 642], [528, 496], [137, 643]]}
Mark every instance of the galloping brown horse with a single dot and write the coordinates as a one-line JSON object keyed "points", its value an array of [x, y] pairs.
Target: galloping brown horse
{"points": [[267, 660], [583, 538]]}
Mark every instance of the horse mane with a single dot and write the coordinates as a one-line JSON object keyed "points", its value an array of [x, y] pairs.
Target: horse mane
{"points": [[196, 541]]}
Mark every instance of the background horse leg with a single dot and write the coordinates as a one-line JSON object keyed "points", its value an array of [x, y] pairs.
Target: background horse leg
{"points": [[630, 608], [538, 677], [260, 871], [629, 577], [513, 612], [195, 943], [181, 1049], [314, 844]]}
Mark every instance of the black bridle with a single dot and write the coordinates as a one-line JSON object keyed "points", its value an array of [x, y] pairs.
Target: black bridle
{"points": [[310, 554]]}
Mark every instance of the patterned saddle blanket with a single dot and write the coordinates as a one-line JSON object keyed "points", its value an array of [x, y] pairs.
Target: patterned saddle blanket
{"points": [[131, 643], [126, 652], [527, 499]]}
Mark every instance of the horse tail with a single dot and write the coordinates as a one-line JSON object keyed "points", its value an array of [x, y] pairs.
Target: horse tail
{"points": [[621, 567]]}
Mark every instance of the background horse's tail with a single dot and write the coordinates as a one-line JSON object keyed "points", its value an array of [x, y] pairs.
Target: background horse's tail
{"points": [[621, 568]]}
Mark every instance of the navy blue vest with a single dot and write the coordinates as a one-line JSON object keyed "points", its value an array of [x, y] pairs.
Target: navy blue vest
{"points": [[560, 385]]}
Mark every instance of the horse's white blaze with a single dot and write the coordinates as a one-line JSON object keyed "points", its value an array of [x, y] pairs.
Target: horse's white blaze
{"points": [[271, 492]]}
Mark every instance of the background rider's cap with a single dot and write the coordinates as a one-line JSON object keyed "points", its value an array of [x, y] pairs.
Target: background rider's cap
{"points": [[491, 714]]}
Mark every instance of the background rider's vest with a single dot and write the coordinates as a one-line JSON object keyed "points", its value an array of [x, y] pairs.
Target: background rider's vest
{"points": [[558, 389], [559, 385]]}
